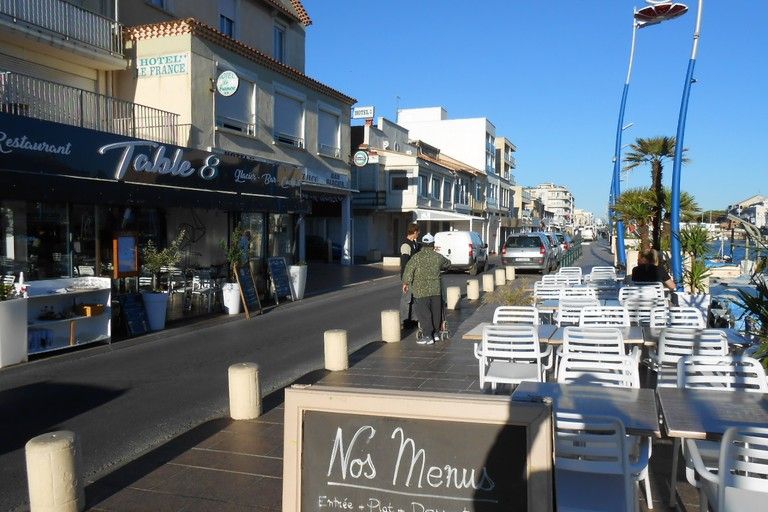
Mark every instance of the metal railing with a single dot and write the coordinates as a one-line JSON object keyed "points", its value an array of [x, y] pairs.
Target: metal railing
{"points": [[32, 97], [68, 21], [327, 150]]}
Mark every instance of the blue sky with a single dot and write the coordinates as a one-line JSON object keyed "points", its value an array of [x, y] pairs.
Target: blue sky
{"points": [[549, 75]]}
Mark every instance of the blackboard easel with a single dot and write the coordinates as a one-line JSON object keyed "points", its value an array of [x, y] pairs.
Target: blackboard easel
{"points": [[278, 272], [248, 292], [133, 314]]}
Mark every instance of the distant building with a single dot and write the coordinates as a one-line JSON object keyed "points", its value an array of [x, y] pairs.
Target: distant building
{"points": [[583, 217], [753, 210], [558, 200]]}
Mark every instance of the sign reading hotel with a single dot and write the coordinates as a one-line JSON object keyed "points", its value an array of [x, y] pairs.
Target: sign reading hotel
{"points": [[163, 65], [363, 112]]}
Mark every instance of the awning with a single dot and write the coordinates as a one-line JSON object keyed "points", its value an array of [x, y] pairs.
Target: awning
{"points": [[441, 215]]}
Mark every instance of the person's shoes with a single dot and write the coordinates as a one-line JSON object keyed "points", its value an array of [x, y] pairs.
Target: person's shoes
{"points": [[436, 337], [428, 341], [422, 340]]}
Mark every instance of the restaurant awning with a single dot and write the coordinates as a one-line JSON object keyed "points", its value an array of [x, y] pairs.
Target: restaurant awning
{"points": [[442, 215]]}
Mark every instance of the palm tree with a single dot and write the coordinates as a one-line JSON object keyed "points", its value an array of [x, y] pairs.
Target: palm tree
{"points": [[654, 150], [637, 206]]}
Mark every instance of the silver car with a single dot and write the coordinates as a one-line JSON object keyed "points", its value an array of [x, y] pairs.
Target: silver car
{"points": [[528, 251]]}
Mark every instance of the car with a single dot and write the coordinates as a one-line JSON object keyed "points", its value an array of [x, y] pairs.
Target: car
{"points": [[557, 251], [587, 234], [317, 248], [528, 251], [566, 242], [465, 249]]}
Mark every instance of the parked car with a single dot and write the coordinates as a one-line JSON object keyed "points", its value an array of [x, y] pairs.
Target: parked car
{"points": [[317, 248], [465, 249], [528, 251], [557, 251], [566, 242], [587, 234]]}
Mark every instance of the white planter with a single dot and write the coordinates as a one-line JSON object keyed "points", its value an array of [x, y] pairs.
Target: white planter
{"points": [[13, 331], [699, 301], [298, 280], [156, 305], [231, 296]]}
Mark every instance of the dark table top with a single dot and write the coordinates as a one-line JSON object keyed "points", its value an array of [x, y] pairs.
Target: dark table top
{"points": [[636, 408], [733, 336]]}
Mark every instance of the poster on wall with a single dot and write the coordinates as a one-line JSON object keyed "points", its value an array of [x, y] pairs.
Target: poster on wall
{"points": [[125, 255]]}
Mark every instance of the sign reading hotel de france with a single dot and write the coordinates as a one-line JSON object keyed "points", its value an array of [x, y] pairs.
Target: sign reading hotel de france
{"points": [[163, 65]]}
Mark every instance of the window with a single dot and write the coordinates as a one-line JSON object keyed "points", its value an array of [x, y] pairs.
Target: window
{"points": [[447, 190], [435, 187], [398, 183], [278, 35], [423, 184], [238, 112], [162, 4], [289, 117], [227, 17], [328, 131], [478, 192]]}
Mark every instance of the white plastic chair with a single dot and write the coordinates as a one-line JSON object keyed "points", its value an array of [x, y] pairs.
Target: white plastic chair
{"points": [[571, 271], [516, 315], [9, 279], [604, 316], [545, 291], [641, 292], [602, 273], [677, 342], [592, 464], [677, 316], [577, 291], [741, 481], [561, 279], [593, 341], [723, 373], [612, 370], [640, 309], [569, 309], [511, 354], [202, 287]]}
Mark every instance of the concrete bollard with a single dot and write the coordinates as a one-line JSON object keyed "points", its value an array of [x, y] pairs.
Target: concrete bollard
{"points": [[452, 297], [473, 289], [488, 283], [336, 357], [390, 325], [53, 473], [244, 391], [501, 276], [510, 273]]}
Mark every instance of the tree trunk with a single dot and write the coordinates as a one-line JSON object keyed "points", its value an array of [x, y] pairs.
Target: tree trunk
{"points": [[645, 242], [658, 189]]}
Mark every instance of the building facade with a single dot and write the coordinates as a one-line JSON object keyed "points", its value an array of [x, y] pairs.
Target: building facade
{"points": [[558, 200]]}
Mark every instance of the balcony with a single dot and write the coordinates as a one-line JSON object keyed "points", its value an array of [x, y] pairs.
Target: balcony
{"points": [[326, 150], [32, 97], [364, 200], [66, 22]]}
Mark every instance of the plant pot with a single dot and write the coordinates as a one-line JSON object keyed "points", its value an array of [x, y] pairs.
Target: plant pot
{"points": [[13, 331], [231, 297], [156, 305], [699, 301], [298, 280]]}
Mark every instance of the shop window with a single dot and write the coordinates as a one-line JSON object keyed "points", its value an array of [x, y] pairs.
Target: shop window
{"points": [[238, 112], [398, 183], [289, 117], [328, 131], [280, 242], [278, 35]]}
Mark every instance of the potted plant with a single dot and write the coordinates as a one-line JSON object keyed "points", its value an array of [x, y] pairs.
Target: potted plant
{"points": [[156, 262], [298, 274], [755, 306], [13, 332], [694, 242], [236, 253]]}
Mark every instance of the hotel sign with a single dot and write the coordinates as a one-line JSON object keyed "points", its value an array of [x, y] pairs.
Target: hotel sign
{"points": [[363, 112], [163, 65]]}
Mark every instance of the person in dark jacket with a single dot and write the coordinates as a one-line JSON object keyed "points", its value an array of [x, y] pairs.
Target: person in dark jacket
{"points": [[408, 248], [422, 278], [647, 271]]}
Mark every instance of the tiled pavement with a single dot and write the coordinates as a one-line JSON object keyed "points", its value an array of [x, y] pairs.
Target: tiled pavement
{"points": [[226, 465]]}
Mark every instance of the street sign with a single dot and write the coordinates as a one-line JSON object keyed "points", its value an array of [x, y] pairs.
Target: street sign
{"points": [[363, 112], [360, 158], [227, 83]]}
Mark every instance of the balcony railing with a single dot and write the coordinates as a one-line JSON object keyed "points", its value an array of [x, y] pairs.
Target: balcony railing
{"points": [[325, 149], [68, 21], [32, 97]]}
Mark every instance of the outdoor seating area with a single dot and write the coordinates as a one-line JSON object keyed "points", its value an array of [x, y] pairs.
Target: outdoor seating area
{"points": [[713, 401]]}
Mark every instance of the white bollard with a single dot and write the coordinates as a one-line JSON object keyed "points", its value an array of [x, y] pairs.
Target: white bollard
{"points": [[53, 473], [390, 325], [501, 276], [488, 283], [510, 273], [452, 297], [244, 391], [336, 357], [473, 289]]}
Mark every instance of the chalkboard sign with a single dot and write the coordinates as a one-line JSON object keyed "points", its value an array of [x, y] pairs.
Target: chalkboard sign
{"points": [[357, 449], [278, 270], [133, 313], [248, 292]]}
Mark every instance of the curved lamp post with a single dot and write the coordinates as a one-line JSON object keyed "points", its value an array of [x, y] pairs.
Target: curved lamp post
{"points": [[677, 256], [655, 13]]}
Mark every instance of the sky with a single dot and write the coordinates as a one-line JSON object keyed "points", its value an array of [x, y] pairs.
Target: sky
{"points": [[549, 76]]}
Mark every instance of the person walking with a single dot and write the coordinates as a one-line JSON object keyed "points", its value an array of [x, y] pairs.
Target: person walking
{"points": [[422, 277], [408, 248]]}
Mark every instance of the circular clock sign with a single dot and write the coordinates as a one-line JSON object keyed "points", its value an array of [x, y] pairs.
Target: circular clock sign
{"points": [[227, 83], [360, 158]]}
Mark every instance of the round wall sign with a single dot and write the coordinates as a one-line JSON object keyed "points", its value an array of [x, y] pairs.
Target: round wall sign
{"points": [[227, 83], [360, 158]]}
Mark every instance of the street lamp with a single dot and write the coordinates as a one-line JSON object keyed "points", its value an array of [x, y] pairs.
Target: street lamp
{"points": [[655, 13], [677, 257]]}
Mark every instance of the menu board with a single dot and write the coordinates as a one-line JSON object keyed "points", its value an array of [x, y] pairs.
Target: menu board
{"points": [[248, 290], [278, 271], [358, 449], [133, 314], [125, 255]]}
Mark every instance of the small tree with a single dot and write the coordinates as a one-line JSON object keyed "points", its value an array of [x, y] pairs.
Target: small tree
{"points": [[694, 241], [635, 206], [158, 261], [234, 251]]}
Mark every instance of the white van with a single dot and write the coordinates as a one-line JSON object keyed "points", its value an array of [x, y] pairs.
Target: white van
{"points": [[587, 234], [465, 249]]}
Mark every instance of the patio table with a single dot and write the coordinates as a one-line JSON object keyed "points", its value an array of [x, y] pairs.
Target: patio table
{"points": [[636, 408], [706, 414], [476, 333], [734, 337], [633, 335], [549, 306]]}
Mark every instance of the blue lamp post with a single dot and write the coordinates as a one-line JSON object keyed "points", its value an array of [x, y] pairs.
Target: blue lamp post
{"points": [[677, 256], [655, 13]]}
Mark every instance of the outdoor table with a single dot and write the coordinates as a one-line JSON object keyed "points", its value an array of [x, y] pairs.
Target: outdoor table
{"points": [[734, 337], [633, 335], [705, 413], [549, 306], [476, 333], [635, 407]]}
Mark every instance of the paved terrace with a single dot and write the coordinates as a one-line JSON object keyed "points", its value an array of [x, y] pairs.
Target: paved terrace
{"points": [[226, 465]]}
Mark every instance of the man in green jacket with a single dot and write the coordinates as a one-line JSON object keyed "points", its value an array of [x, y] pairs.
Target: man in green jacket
{"points": [[422, 277]]}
